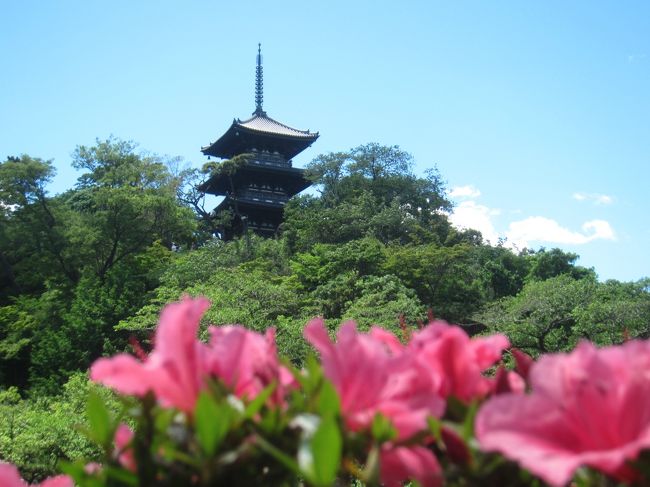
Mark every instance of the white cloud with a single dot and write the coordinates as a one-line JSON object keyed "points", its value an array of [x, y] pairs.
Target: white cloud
{"points": [[542, 229], [520, 234], [469, 214], [468, 191], [598, 199]]}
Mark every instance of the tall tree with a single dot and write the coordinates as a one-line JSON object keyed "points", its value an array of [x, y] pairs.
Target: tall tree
{"points": [[124, 202], [32, 235]]}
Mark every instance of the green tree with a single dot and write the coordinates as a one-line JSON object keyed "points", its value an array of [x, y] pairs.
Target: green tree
{"points": [[545, 264], [329, 272], [32, 235], [124, 202], [619, 310], [73, 265], [384, 301], [367, 191], [37, 434], [503, 272], [552, 315], [444, 278]]}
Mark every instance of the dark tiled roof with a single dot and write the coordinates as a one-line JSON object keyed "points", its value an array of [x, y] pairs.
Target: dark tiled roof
{"points": [[262, 123]]}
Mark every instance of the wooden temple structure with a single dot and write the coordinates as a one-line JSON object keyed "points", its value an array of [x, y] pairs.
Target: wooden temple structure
{"points": [[259, 184]]}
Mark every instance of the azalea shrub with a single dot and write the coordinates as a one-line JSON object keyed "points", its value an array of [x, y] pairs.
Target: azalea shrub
{"points": [[431, 407]]}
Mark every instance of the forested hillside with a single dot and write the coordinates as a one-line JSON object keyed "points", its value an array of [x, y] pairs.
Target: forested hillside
{"points": [[85, 273]]}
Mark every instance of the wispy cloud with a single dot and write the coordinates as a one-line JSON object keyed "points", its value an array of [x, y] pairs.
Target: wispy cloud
{"points": [[545, 230], [596, 198], [468, 191]]}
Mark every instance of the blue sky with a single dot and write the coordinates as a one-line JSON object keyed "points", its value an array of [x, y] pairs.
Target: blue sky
{"points": [[537, 114]]}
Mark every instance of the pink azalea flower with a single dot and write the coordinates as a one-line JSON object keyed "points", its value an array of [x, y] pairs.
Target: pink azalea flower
{"points": [[247, 361], [590, 407], [456, 448], [409, 463], [93, 468], [58, 481], [523, 362], [372, 374], [123, 438], [174, 371], [458, 360], [506, 381], [10, 477]]}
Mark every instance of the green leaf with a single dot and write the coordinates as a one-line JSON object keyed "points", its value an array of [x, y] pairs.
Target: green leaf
{"points": [[212, 422], [123, 477], [468, 423], [326, 446], [99, 419], [311, 380], [435, 427], [329, 404], [382, 428], [256, 404]]}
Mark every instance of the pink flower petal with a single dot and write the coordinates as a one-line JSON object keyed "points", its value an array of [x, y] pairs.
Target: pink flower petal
{"points": [[523, 362], [175, 371], [58, 481], [373, 375], [456, 359], [10, 476], [414, 463], [590, 407], [123, 438], [123, 373], [247, 361]]}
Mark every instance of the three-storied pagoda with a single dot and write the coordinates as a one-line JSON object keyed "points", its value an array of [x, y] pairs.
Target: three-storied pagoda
{"points": [[262, 180]]}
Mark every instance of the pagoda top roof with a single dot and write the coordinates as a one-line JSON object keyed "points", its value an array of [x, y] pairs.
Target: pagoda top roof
{"points": [[260, 122], [260, 131]]}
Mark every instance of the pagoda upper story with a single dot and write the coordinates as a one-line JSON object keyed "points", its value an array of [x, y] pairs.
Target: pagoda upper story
{"points": [[260, 132], [257, 189]]}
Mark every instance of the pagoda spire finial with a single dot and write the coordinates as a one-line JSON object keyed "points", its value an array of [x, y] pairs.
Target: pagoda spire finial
{"points": [[259, 83]]}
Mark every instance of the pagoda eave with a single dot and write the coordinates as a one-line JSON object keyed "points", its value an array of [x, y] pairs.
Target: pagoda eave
{"points": [[239, 139], [292, 178]]}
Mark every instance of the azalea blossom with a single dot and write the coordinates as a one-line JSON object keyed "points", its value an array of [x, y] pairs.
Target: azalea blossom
{"points": [[523, 362], [175, 371], [247, 361], [507, 381], [590, 407], [178, 368], [10, 477], [373, 374], [457, 359], [122, 440], [416, 463]]}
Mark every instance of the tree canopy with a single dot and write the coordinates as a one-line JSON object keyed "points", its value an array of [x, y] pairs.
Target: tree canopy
{"points": [[83, 271]]}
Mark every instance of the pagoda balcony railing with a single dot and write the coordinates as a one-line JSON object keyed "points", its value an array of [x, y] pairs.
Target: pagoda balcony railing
{"points": [[265, 197]]}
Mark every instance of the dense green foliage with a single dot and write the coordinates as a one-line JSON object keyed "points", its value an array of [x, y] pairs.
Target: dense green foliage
{"points": [[36, 435], [83, 271]]}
